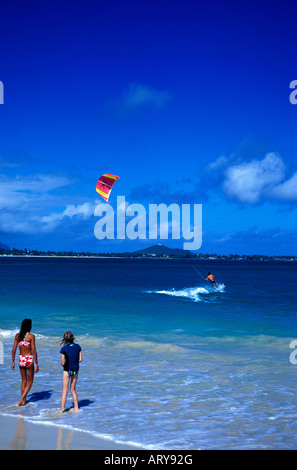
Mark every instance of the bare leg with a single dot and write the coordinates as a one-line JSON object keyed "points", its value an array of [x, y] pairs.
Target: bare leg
{"points": [[73, 392], [65, 390], [27, 381], [23, 372]]}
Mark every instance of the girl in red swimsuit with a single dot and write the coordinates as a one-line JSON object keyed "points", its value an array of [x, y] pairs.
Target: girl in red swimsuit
{"points": [[28, 355]]}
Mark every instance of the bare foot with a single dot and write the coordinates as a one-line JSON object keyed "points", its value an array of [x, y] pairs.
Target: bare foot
{"points": [[22, 402]]}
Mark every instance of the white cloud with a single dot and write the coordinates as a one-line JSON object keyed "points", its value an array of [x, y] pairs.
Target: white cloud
{"points": [[287, 190], [29, 191], [83, 211], [138, 96], [18, 223], [26, 204], [36, 183], [218, 163], [252, 181]]}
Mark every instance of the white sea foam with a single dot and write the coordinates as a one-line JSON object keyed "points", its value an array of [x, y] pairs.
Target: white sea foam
{"points": [[10, 334], [197, 294], [7, 334]]}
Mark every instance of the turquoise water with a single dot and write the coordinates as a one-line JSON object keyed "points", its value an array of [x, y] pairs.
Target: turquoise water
{"points": [[168, 361]]}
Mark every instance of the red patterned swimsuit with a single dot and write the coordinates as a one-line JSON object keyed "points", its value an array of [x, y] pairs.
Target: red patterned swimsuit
{"points": [[27, 360]]}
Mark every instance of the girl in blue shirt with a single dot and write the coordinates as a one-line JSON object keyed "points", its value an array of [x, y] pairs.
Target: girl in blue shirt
{"points": [[70, 359]]}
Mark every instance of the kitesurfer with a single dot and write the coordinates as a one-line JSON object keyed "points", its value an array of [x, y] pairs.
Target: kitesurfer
{"points": [[211, 278]]}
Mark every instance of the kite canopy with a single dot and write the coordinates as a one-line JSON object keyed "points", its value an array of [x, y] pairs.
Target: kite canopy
{"points": [[104, 185]]}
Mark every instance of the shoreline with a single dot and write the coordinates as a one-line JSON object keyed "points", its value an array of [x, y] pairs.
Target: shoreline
{"points": [[21, 433], [166, 258]]}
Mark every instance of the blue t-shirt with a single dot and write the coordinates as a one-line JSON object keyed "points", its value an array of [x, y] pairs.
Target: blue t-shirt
{"points": [[71, 353]]}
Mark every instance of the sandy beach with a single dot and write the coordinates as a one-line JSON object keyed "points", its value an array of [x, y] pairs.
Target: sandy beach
{"points": [[21, 434]]}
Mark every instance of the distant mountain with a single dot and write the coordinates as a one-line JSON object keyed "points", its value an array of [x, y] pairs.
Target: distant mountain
{"points": [[162, 250], [3, 246]]}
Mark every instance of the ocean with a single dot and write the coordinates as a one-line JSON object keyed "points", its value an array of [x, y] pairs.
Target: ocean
{"points": [[169, 362]]}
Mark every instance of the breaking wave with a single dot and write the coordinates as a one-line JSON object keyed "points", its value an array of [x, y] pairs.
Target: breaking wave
{"points": [[196, 294]]}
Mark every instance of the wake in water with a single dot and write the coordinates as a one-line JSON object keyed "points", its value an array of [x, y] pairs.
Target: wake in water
{"points": [[197, 294]]}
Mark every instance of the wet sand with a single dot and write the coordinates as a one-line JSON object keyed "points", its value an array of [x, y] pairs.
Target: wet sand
{"points": [[20, 434]]}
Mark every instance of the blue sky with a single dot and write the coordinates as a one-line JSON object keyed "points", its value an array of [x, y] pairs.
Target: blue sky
{"points": [[188, 102]]}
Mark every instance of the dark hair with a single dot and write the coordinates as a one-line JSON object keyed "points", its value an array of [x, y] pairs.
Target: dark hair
{"points": [[25, 328], [68, 338], [209, 273]]}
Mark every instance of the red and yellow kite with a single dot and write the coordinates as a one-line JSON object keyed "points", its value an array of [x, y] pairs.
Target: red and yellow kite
{"points": [[104, 185]]}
